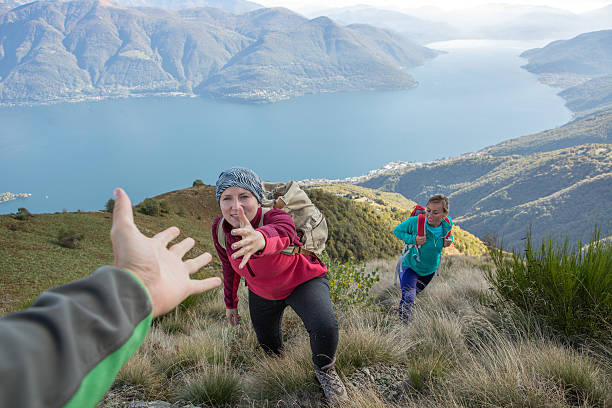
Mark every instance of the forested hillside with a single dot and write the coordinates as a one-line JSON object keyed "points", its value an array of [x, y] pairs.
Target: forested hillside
{"points": [[595, 128]]}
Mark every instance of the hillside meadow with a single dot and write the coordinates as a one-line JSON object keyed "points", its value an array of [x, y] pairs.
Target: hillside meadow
{"points": [[32, 259], [465, 347]]}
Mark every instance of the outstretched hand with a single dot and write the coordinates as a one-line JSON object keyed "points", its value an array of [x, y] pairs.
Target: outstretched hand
{"points": [[447, 242], [162, 271], [251, 242]]}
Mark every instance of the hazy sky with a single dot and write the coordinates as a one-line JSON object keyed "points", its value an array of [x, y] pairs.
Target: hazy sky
{"points": [[301, 5]]}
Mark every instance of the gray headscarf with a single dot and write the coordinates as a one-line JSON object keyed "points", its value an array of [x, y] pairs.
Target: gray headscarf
{"points": [[240, 177]]}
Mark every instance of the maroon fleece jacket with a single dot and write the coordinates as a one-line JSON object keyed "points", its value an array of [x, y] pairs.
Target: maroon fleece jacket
{"points": [[268, 273]]}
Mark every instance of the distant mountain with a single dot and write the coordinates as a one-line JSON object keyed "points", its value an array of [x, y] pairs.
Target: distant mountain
{"points": [[490, 21], [500, 21], [89, 49], [416, 29], [233, 6], [587, 54], [582, 66], [547, 180]]}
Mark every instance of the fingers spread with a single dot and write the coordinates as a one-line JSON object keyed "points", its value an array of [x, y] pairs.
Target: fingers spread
{"points": [[122, 211], [193, 265], [245, 259], [199, 286], [244, 221], [167, 235], [240, 231], [182, 247], [242, 252], [244, 242]]}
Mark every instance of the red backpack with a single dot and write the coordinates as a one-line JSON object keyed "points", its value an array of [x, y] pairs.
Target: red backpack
{"points": [[421, 211]]}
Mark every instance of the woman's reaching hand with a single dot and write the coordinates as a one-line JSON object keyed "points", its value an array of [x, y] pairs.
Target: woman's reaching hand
{"points": [[251, 242]]}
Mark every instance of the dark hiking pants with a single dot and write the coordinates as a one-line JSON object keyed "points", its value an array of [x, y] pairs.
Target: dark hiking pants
{"points": [[312, 303], [412, 284]]}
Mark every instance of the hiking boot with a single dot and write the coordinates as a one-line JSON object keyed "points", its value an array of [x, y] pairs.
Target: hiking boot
{"points": [[332, 385]]}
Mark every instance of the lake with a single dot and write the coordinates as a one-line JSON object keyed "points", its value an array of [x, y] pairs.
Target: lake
{"points": [[70, 156]]}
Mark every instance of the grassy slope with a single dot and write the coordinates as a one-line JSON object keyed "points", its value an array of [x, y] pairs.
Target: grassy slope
{"points": [[463, 348], [31, 260]]}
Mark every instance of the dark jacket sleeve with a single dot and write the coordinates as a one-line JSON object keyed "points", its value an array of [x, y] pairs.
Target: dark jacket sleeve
{"points": [[66, 349]]}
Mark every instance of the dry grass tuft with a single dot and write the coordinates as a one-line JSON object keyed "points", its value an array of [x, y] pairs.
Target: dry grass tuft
{"points": [[368, 337], [277, 378], [212, 385], [463, 348]]}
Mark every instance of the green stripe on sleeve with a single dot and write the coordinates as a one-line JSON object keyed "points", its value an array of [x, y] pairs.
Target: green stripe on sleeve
{"points": [[97, 382]]}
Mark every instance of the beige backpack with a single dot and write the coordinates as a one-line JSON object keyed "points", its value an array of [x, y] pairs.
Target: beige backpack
{"points": [[310, 224]]}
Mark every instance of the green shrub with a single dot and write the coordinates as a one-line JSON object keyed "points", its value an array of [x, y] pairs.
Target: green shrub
{"points": [[164, 207], [150, 207], [350, 284], [22, 214], [110, 205], [198, 183], [570, 287], [69, 238]]}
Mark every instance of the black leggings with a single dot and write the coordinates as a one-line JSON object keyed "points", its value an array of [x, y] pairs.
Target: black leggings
{"points": [[311, 301]]}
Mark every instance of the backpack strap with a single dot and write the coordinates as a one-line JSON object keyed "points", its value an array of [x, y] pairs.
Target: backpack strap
{"points": [[421, 225], [220, 233], [448, 234]]}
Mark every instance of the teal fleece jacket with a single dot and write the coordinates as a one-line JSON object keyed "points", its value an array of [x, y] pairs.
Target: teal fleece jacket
{"points": [[424, 260], [65, 349]]}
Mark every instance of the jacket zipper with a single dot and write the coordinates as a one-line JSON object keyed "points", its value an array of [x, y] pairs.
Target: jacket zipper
{"points": [[250, 270]]}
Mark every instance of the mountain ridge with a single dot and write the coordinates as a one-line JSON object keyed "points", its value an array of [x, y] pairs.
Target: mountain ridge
{"points": [[580, 66], [62, 51]]}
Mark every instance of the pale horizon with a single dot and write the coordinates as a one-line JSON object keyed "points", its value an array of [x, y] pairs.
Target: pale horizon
{"points": [[445, 5]]}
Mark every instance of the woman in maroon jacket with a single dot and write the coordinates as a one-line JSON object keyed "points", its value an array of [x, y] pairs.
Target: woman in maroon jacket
{"points": [[275, 280]]}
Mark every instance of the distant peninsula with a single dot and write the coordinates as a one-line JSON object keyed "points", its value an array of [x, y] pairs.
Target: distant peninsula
{"points": [[581, 67], [12, 196], [88, 50]]}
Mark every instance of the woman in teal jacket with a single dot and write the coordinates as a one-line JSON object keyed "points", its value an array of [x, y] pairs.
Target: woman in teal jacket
{"points": [[422, 260]]}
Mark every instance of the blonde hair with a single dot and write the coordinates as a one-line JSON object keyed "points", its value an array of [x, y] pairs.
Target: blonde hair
{"points": [[440, 198]]}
